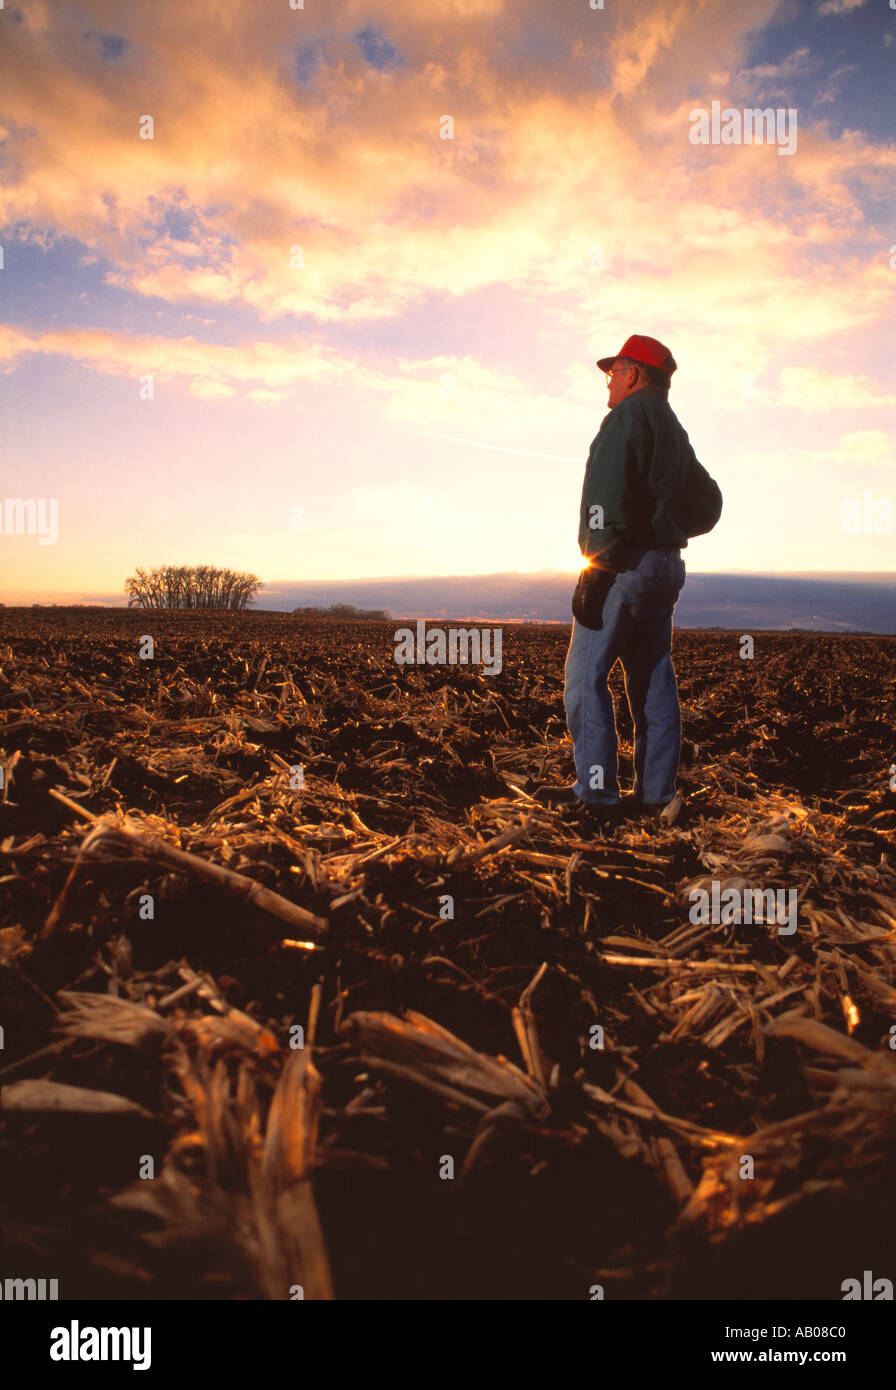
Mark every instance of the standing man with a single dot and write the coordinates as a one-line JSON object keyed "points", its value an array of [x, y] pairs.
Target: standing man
{"points": [[644, 493]]}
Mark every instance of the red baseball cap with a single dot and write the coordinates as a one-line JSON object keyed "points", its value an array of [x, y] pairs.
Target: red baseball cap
{"points": [[641, 349]]}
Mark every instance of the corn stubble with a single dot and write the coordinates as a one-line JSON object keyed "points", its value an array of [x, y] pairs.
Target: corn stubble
{"points": [[320, 912]]}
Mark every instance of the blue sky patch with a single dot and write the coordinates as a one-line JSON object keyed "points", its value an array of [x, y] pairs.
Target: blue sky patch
{"points": [[377, 50], [308, 62], [111, 45]]}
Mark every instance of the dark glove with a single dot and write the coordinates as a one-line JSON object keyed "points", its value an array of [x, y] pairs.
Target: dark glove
{"points": [[588, 599]]}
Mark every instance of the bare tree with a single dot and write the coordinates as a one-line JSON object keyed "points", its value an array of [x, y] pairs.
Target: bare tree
{"points": [[191, 586], [343, 610]]}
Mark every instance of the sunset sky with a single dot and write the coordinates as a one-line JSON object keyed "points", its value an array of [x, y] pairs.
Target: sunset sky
{"points": [[340, 311]]}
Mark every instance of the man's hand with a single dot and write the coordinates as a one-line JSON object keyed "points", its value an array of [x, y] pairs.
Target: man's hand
{"points": [[588, 599]]}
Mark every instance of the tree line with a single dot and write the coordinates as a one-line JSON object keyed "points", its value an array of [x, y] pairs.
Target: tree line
{"points": [[342, 610], [191, 586]]}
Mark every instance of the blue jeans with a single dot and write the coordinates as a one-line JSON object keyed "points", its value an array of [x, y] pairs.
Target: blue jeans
{"points": [[637, 629]]}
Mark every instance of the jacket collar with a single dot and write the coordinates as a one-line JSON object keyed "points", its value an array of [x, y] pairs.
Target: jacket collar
{"points": [[649, 391]]}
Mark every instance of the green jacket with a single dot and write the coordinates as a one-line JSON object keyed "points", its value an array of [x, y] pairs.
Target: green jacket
{"points": [[636, 466]]}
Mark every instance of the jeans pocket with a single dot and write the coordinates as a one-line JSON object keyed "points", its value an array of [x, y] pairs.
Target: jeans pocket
{"points": [[675, 583]]}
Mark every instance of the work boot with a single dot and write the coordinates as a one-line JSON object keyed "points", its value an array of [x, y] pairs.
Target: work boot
{"points": [[662, 812], [590, 815], [557, 796]]}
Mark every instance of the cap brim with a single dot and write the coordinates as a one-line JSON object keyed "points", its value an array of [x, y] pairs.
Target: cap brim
{"points": [[670, 365]]}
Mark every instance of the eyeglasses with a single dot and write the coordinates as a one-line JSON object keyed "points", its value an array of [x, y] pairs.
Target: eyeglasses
{"points": [[612, 372]]}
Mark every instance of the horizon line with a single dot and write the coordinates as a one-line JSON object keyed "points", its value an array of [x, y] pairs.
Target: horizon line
{"points": [[18, 599]]}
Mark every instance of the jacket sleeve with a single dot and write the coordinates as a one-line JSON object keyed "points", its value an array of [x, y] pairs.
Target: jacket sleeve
{"points": [[612, 493]]}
